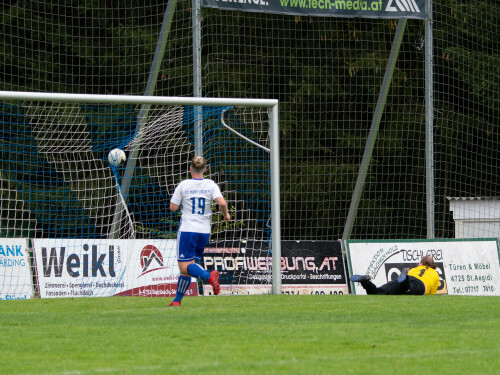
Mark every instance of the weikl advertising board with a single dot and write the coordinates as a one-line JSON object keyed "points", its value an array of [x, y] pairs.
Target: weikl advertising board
{"points": [[15, 276], [103, 268], [465, 267], [307, 267]]}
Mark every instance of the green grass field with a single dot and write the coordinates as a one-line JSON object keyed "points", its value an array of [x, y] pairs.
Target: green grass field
{"points": [[252, 335]]}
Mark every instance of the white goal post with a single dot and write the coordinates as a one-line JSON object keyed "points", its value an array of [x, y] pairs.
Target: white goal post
{"points": [[268, 107]]}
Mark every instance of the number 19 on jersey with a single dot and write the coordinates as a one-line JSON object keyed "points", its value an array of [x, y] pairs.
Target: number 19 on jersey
{"points": [[198, 208]]}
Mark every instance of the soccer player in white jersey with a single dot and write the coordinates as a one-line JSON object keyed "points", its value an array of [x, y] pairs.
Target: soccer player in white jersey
{"points": [[195, 195]]}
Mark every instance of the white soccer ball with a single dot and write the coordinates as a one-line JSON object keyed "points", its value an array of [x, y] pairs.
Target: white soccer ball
{"points": [[117, 157]]}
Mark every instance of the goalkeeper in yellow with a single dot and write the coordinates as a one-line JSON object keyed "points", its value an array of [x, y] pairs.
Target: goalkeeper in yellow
{"points": [[420, 280]]}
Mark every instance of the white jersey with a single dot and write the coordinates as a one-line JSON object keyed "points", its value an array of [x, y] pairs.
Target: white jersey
{"points": [[196, 196]]}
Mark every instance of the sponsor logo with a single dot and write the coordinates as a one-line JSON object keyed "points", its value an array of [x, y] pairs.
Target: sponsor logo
{"points": [[90, 264], [14, 250], [223, 250], [11, 256], [151, 259], [393, 270], [11, 297], [402, 6], [237, 263]]}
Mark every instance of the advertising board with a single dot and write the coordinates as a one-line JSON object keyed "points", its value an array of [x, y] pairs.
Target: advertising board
{"points": [[103, 268], [465, 267], [391, 9], [307, 267], [313, 267], [15, 275]]}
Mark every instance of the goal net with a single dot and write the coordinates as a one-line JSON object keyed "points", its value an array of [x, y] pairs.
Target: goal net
{"points": [[327, 73], [94, 229]]}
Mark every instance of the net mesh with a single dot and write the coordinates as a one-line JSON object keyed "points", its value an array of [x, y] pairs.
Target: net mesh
{"points": [[58, 185], [467, 98], [326, 73], [95, 47]]}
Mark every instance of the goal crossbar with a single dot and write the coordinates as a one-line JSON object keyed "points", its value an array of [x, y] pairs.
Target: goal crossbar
{"points": [[136, 99]]}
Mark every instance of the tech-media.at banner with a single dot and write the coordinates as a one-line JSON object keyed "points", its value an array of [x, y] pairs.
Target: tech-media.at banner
{"points": [[15, 275], [465, 267], [307, 267], [392, 9], [103, 268]]}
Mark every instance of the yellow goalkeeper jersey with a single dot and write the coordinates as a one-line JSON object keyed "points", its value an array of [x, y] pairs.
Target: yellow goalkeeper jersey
{"points": [[428, 276]]}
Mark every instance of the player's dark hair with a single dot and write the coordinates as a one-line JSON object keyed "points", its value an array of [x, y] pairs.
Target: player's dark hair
{"points": [[198, 164], [428, 261]]}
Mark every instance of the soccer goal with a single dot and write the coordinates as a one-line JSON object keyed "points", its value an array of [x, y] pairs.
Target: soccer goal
{"points": [[98, 226]]}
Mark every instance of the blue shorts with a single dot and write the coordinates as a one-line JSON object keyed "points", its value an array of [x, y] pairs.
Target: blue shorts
{"points": [[190, 246]]}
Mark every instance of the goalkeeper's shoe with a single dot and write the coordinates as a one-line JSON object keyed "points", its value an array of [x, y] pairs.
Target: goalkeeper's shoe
{"points": [[214, 281], [360, 278], [174, 303], [403, 275]]}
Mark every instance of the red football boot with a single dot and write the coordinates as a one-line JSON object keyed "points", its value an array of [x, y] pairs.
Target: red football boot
{"points": [[214, 281]]}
